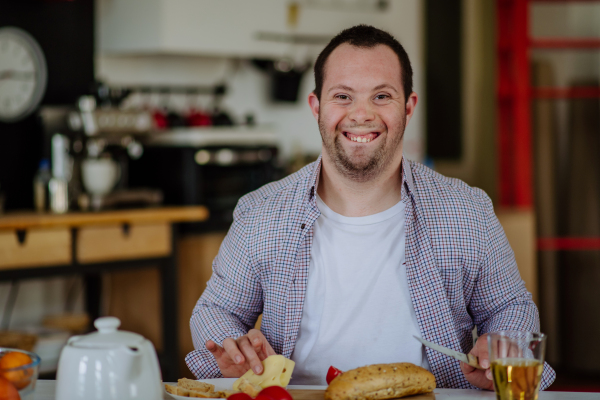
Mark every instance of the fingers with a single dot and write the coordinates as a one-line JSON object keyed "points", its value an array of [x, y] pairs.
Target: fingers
{"points": [[250, 353], [260, 344], [233, 351], [216, 350], [466, 368], [246, 351], [480, 350], [256, 338]]}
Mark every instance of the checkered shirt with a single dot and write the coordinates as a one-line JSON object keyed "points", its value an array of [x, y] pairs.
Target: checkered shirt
{"points": [[460, 268]]}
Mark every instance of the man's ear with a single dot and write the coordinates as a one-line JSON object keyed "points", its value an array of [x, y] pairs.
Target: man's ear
{"points": [[313, 102], [411, 104]]}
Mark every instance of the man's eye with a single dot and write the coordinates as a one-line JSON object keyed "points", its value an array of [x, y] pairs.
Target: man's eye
{"points": [[342, 97], [382, 96]]}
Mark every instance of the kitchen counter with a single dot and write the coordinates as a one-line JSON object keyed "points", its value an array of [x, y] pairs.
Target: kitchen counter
{"points": [[45, 391], [26, 220]]}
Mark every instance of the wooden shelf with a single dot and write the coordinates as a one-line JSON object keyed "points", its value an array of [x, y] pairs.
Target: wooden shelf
{"points": [[26, 220]]}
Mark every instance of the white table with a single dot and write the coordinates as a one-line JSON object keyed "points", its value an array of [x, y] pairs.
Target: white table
{"points": [[45, 391]]}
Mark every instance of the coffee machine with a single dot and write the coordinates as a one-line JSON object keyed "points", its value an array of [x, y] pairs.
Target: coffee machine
{"points": [[90, 150]]}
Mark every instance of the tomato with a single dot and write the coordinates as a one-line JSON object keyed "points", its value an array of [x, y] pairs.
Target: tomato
{"points": [[332, 373], [239, 396], [274, 393]]}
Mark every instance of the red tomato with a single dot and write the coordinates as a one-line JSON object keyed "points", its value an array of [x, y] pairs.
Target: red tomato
{"points": [[239, 396], [332, 373], [274, 393]]}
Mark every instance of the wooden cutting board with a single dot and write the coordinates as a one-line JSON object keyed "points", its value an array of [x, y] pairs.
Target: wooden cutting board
{"points": [[301, 394]]}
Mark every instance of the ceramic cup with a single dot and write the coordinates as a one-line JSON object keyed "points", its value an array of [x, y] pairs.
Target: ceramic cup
{"points": [[99, 175]]}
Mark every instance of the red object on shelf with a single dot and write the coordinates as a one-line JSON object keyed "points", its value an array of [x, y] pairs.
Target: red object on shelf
{"points": [[563, 1], [591, 92], [565, 43], [569, 243], [513, 94]]}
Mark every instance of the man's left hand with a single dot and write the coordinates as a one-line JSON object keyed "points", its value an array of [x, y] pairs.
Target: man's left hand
{"points": [[479, 377]]}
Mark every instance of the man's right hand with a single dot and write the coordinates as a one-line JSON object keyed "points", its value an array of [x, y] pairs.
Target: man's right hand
{"points": [[239, 355]]}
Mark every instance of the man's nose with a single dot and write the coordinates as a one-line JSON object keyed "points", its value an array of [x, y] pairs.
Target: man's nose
{"points": [[361, 112]]}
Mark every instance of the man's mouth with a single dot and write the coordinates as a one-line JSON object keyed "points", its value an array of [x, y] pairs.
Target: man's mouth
{"points": [[362, 137]]}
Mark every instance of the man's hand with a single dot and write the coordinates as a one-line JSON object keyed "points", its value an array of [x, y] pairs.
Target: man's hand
{"points": [[479, 377], [239, 355]]}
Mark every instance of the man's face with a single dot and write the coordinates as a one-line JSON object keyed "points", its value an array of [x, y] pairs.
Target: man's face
{"points": [[362, 112]]}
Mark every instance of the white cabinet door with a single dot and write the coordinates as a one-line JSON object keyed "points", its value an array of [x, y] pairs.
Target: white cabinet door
{"points": [[241, 28]]}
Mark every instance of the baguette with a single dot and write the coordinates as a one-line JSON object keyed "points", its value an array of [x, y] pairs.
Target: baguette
{"points": [[381, 381]]}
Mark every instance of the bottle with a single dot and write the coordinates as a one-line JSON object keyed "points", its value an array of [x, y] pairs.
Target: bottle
{"points": [[59, 183], [40, 186]]}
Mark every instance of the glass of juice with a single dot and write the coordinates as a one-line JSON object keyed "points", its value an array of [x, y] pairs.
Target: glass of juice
{"points": [[517, 362]]}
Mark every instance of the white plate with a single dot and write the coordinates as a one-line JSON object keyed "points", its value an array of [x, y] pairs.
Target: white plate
{"points": [[227, 384]]}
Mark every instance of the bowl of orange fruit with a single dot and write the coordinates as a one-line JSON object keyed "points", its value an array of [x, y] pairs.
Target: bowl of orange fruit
{"points": [[18, 373]]}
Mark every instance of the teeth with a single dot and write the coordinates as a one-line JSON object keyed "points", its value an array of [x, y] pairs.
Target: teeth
{"points": [[360, 139]]}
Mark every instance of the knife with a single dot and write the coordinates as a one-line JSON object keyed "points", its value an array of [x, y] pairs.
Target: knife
{"points": [[466, 358]]}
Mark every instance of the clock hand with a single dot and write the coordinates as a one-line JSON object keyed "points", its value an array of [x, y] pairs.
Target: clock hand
{"points": [[16, 75]]}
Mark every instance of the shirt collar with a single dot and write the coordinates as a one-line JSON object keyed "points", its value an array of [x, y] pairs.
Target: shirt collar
{"points": [[313, 181]]}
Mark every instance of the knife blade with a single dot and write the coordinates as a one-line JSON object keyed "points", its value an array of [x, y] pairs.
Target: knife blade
{"points": [[466, 358]]}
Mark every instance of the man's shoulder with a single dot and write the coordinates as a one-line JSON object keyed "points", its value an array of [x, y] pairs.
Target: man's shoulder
{"points": [[279, 193], [435, 187]]}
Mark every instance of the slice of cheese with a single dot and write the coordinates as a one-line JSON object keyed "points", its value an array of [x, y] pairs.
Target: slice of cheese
{"points": [[286, 375], [277, 372]]}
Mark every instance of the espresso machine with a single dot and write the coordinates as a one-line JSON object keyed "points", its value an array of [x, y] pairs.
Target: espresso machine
{"points": [[90, 150]]}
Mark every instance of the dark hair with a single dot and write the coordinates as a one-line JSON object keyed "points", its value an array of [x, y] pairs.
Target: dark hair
{"points": [[364, 36]]}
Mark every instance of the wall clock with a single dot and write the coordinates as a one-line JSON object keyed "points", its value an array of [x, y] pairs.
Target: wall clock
{"points": [[23, 74]]}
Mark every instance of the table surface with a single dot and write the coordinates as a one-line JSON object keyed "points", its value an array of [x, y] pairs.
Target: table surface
{"points": [[25, 220], [45, 391]]}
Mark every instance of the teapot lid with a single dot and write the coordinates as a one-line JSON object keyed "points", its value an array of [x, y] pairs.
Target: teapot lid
{"points": [[108, 335]]}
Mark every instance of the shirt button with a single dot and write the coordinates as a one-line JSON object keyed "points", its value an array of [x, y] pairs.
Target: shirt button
{"points": [[302, 226]]}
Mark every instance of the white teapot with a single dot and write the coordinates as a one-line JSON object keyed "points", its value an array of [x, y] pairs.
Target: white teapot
{"points": [[108, 364]]}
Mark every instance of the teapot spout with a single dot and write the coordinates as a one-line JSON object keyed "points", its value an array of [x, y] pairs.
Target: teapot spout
{"points": [[129, 365]]}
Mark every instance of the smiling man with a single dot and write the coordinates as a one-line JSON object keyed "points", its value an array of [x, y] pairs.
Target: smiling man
{"points": [[350, 257]]}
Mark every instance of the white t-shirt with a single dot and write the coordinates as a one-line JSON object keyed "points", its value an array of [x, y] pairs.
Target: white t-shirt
{"points": [[357, 310]]}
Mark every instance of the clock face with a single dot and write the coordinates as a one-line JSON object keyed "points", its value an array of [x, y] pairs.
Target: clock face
{"points": [[22, 74]]}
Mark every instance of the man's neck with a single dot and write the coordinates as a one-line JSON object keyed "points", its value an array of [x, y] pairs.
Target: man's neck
{"points": [[358, 199]]}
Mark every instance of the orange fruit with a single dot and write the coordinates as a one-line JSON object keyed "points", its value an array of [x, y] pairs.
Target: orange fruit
{"points": [[14, 359], [8, 391]]}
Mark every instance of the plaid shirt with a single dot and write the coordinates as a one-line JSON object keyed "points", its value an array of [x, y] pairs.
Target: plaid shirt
{"points": [[460, 268]]}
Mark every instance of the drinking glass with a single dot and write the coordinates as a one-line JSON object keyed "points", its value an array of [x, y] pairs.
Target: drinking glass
{"points": [[517, 362]]}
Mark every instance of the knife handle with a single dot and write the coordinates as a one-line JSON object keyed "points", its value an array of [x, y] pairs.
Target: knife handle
{"points": [[473, 361]]}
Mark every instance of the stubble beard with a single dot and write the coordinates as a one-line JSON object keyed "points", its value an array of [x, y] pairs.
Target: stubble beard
{"points": [[364, 168]]}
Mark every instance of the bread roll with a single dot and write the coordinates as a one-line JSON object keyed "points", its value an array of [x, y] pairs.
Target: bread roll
{"points": [[381, 381]]}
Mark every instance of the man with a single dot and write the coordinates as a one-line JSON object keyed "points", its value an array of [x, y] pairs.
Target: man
{"points": [[350, 257]]}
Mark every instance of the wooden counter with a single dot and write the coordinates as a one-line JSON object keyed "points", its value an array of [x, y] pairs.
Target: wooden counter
{"points": [[26, 220]]}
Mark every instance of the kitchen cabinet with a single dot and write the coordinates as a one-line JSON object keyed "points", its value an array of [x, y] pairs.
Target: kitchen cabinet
{"points": [[95, 245], [134, 241], [41, 247], [240, 28]]}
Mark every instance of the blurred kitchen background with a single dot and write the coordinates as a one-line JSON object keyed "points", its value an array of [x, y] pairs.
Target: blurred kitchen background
{"points": [[138, 105]]}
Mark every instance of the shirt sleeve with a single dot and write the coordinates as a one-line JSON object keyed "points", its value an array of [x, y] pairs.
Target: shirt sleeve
{"points": [[231, 303], [500, 300]]}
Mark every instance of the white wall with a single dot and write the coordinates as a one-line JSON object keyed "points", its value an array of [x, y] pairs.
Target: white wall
{"points": [[248, 86]]}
